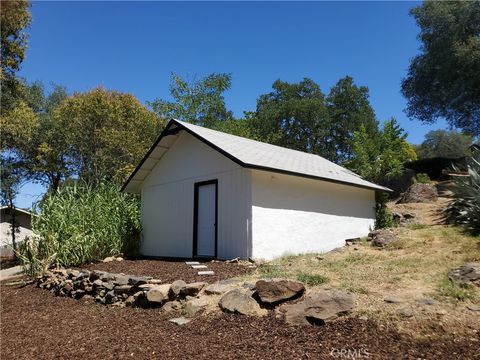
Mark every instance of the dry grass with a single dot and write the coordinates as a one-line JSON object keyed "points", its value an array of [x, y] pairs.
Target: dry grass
{"points": [[417, 262], [413, 267]]}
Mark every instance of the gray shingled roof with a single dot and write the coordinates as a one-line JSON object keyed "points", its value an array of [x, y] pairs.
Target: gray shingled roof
{"points": [[250, 154]]}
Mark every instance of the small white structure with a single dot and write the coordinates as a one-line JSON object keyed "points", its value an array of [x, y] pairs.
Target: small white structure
{"points": [[23, 220], [210, 194]]}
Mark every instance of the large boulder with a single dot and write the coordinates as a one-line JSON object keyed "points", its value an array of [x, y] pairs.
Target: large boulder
{"points": [[468, 273], [275, 291], [419, 193], [240, 301], [318, 308], [382, 237]]}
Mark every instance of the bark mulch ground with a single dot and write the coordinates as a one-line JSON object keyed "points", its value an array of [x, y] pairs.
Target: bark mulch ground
{"points": [[169, 271], [37, 325]]}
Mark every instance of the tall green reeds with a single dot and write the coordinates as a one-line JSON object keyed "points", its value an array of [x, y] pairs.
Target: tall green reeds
{"points": [[79, 224]]}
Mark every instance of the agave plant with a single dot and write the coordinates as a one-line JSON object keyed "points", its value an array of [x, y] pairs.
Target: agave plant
{"points": [[465, 208]]}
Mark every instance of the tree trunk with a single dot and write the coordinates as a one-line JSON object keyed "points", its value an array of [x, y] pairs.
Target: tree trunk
{"points": [[13, 226]]}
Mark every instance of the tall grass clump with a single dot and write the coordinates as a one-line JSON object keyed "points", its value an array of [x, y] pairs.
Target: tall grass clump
{"points": [[78, 224], [465, 208]]}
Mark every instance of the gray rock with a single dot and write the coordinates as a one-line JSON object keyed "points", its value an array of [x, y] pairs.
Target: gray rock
{"points": [[121, 280], [406, 312], [393, 299], [419, 193], [171, 306], [122, 289], [177, 287], [278, 290], [427, 301], [159, 294], [381, 238], [194, 306], [180, 321], [191, 289], [319, 307], [218, 288], [240, 301], [473, 307], [138, 280], [130, 301], [468, 273]]}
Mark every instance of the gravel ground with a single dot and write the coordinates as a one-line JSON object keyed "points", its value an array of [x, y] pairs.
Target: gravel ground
{"points": [[169, 271], [37, 325]]}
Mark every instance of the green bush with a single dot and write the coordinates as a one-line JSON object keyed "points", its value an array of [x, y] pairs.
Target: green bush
{"points": [[465, 208], [422, 178], [79, 224], [383, 215]]}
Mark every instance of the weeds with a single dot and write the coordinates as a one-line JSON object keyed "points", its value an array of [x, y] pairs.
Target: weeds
{"points": [[450, 291], [312, 279]]}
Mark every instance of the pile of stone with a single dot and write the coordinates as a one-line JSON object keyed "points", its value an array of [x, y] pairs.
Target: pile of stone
{"points": [[253, 299], [419, 193], [468, 273]]}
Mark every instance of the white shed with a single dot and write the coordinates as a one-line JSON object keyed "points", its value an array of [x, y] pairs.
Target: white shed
{"points": [[214, 195]]}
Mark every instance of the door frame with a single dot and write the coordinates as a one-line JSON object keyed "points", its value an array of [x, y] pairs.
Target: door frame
{"points": [[197, 185]]}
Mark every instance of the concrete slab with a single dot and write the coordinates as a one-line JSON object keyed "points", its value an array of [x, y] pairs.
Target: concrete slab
{"points": [[200, 266], [206, 273], [192, 263]]}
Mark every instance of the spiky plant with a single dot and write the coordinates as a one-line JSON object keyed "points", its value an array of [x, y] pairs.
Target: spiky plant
{"points": [[465, 208]]}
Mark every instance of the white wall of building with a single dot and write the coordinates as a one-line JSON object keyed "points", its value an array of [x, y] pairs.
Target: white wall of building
{"points": [[293, 215], [168, 201], [23, 231]]}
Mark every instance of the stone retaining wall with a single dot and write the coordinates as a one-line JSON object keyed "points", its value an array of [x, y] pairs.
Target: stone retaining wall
{"points": [[229, 296]]}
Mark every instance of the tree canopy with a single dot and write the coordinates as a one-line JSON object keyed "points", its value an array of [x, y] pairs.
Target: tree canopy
{"points": [[199, 102], [14, 19], [300, 117], [107, 133], [444, 80], [443, 143], [381, 156]]}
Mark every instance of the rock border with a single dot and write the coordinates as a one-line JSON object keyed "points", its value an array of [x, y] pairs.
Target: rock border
{"points": [[193, 298]]}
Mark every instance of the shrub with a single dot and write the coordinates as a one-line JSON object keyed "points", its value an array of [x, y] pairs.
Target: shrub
{"points": [[383, 215], [79, 224], [422, 178], [465, 208]]}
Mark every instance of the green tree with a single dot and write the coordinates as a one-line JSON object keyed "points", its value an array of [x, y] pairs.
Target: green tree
{"points": [[11, 180], [106, 132], [37, 141], [199, 102], [298, 116], [14, 19], [293, 115], [349, 110], [443, 143], [444, 80], [381, 156]]}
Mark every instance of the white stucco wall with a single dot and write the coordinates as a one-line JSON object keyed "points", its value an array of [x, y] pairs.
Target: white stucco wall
{"points": [[168, 201], [293, 215]]}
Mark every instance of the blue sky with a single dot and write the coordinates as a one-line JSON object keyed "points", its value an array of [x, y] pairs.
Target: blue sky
{"points": [[134, 47]]}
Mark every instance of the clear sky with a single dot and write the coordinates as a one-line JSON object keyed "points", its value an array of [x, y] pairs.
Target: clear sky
{"points": [[134, 47]]}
